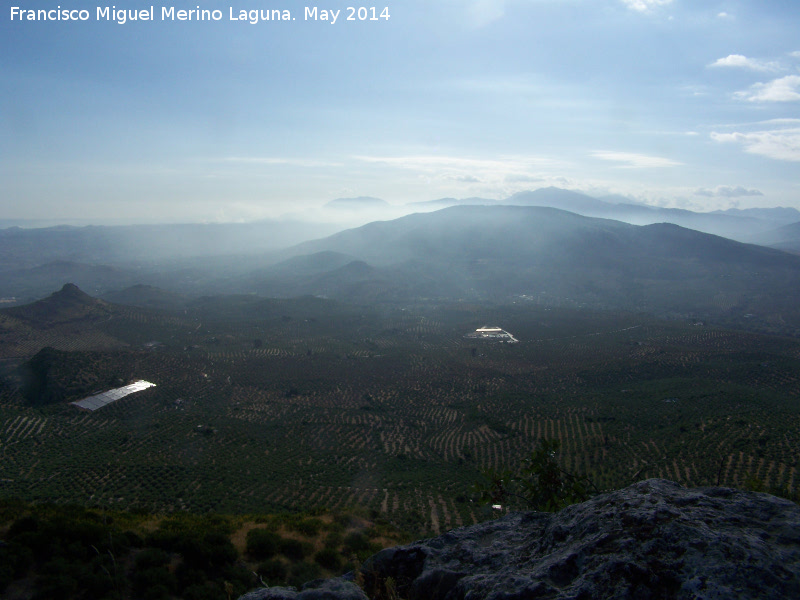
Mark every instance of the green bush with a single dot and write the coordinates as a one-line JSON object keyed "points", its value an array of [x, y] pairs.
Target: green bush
{"points": [[151, 557], [356, 542], [213, 551], [262, 543], [152, 579], [58, 579], [303, 572], [540, 483], [208, 590], [273, 571], [15, 560], [333, 540], [295, 550], [309, 527], [328, 558]]}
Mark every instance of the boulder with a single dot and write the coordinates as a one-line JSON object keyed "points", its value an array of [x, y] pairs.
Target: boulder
{"points": [[319, 589], [652, 540]]}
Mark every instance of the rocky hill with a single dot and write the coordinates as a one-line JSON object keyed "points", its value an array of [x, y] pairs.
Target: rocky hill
{"points": [[654, 539]]}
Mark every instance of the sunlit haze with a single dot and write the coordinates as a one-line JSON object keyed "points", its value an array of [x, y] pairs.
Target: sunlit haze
{"points": [[668, 102]]}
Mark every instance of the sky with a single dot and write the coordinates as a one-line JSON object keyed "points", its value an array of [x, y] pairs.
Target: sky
{"points": [[681, 103]]}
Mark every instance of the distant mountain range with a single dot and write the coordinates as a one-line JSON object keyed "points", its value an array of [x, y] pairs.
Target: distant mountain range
{"points": [[520, 250], [130, 244], [736, 224], [784, 238], [499, 252]]}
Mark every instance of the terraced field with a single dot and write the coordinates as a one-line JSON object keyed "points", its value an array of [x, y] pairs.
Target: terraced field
{"points": [[260, 408]]}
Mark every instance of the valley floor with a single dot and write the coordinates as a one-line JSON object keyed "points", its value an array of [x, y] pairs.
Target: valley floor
{"points": [[393, 412]]}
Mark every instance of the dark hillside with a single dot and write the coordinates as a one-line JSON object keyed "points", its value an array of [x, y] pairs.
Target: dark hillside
{"points": [[147, 296], [500, 252], [510, 233], [784, 238], [68, 304], [562, 199]]}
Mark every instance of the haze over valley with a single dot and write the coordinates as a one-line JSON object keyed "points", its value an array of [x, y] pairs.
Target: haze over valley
{"points": [[636, 344], [277, 295]]}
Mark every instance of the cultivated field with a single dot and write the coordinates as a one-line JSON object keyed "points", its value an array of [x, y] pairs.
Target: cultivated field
{"points": [[268, 405]]}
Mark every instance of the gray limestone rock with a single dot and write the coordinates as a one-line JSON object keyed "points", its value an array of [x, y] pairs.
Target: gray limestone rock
{"points": [[652, 540], [319, 589]]}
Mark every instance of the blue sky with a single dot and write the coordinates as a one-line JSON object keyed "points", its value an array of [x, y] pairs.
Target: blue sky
{"points": [[671, 102]]}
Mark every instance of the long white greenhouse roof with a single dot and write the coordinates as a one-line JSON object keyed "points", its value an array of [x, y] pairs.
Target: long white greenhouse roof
{"points": [[103, 398]]}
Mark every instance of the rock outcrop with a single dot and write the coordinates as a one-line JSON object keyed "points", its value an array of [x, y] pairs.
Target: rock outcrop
{"points": [[324, 589], [654, 539]]}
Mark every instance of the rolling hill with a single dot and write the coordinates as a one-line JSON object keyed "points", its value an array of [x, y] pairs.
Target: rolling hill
{"points": [[740, 225], [501, 252], [785, 238]]}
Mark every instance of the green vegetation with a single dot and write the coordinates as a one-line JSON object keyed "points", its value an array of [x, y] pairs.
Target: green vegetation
{"points": [[392, 413], [58, 551], [539, 484]]}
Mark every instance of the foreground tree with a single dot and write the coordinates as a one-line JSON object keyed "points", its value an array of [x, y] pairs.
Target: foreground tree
{"points": [[539, 484]]}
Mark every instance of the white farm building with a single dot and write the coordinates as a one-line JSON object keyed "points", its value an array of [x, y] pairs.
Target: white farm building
{"points": [[103, 398], [492, 333]]}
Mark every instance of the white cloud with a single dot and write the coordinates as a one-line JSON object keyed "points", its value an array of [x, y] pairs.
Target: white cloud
{"points": [[783, 121], [724, 15], [467, 179], [636, 161], [274, 161], [726, 191], [781, 144], [645, 5], [785, 89], [740, 61], [483, 12], [453, 164], [524, 179], [467, 170], [489, 177]]}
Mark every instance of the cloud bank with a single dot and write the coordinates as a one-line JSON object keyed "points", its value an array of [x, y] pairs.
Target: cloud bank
{"points": [[781, 144], [635, 161], [742, 62], [785, 89], [645, 5], [726, 191]]}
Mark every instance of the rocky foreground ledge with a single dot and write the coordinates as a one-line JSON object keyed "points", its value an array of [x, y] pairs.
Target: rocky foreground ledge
{"points": [[654, 539]]}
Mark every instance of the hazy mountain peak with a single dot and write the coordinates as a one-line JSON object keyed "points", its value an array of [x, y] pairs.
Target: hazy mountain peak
{"points": [[70, 290], [70, 303], [70, 294], [557, 198], [782, 214]]}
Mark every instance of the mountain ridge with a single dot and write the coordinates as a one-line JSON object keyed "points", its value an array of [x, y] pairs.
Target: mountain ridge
{"points": [[499, 252]]}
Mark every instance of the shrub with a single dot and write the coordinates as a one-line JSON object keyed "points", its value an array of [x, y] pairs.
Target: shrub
{"points": [[214, 551], [309, 527], [356, 542], [333, 540], [272, 571], [151, 557], [262, 543], [328, 558], [152, 579], [303, 572], [208, 590], [295, 550], [540, 483]]}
